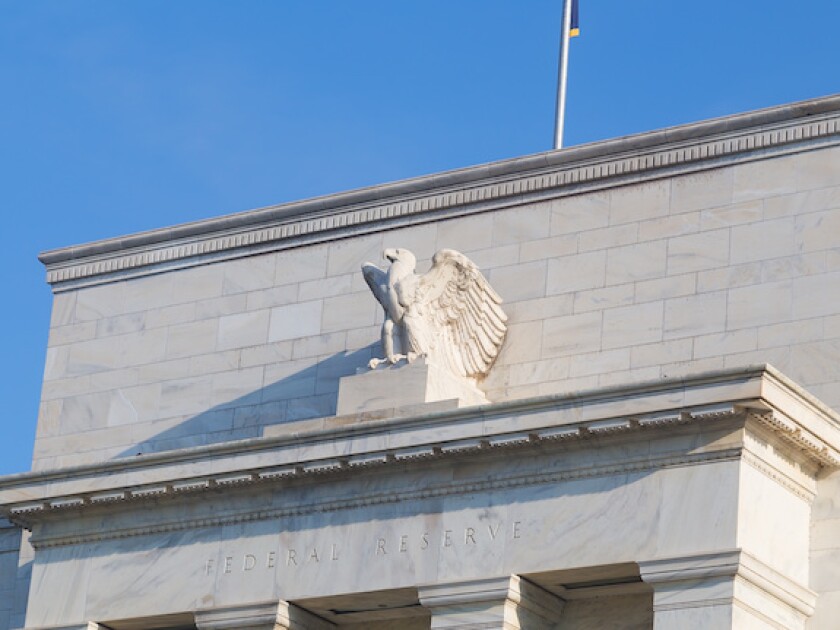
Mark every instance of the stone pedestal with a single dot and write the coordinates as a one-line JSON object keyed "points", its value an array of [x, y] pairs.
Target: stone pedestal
{"points": [[506, 603], [403, 385]]}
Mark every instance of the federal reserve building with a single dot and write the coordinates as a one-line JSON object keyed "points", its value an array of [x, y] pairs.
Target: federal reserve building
{"points": [[592, 388]]}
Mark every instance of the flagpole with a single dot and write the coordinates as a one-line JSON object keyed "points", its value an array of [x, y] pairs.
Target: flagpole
{"points": [[562, 71]]}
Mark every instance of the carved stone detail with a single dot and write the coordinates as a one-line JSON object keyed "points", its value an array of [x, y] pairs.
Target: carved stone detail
{"points": [[450, 315], [439, 490]]}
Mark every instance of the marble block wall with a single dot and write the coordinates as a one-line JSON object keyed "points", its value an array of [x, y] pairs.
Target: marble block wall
{"points": [[15, 571], [825, 553], [704, 247], [9, 550], [730, 266]]}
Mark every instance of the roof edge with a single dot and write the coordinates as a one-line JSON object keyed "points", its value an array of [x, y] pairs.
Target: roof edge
{"points": [[573, 167]]}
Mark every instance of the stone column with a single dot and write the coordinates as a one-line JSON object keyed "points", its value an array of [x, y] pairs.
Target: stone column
{"points": [[729, 589], [272, 616], [504, 603]]}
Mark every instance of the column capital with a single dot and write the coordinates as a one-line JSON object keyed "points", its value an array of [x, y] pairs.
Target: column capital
{"points": [[729, 583], [507, 602], [279, 615]]}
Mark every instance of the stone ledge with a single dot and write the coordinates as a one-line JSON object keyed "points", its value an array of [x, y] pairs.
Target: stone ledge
{"points": [[683, 149], [28, 513], [733, 395], [773, 400]]}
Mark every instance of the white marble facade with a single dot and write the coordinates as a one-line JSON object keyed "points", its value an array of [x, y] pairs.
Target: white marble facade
{"points": [[214, 452]]}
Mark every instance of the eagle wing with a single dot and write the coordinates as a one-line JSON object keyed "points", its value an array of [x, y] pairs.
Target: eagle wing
{"points": [[377, 280], [464, 313]]}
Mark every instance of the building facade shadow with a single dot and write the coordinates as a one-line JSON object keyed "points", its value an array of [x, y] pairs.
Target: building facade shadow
{"points": [[308, 393]]}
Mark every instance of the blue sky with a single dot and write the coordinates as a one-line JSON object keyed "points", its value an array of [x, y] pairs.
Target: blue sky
{"points": [[117, 117]]}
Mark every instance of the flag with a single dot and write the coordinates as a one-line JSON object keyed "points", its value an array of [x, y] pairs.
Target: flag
{"points": [[574, 28]]}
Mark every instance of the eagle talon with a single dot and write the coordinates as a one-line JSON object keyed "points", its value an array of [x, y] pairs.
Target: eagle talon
{"points": [[392, 359]]}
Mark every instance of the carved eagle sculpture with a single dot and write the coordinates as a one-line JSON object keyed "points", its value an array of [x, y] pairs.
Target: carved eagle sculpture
{"points": [[450, 314]]}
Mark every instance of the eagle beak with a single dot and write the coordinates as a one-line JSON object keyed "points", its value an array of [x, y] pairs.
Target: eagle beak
{"points": [[390, 254]]}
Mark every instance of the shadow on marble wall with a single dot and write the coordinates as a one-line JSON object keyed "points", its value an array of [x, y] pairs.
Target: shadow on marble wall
{"points": [[308, 393]]}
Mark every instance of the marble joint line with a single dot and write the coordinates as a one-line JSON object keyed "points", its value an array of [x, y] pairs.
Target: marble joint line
{"points": [[587, 175]]}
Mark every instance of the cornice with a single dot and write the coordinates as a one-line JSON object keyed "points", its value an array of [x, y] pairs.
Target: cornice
{"points": [[570, 436], [331, 445], [458, 488], [431, 450], [755, 395], [684, 149], [307, 432]]}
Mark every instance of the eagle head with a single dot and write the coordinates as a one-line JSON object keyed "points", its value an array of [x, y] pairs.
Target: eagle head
{"points": [[402, 258]]}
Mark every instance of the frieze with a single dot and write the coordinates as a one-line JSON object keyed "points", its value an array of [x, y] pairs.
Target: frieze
{"points": [[291, 556], [804, 493]]}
